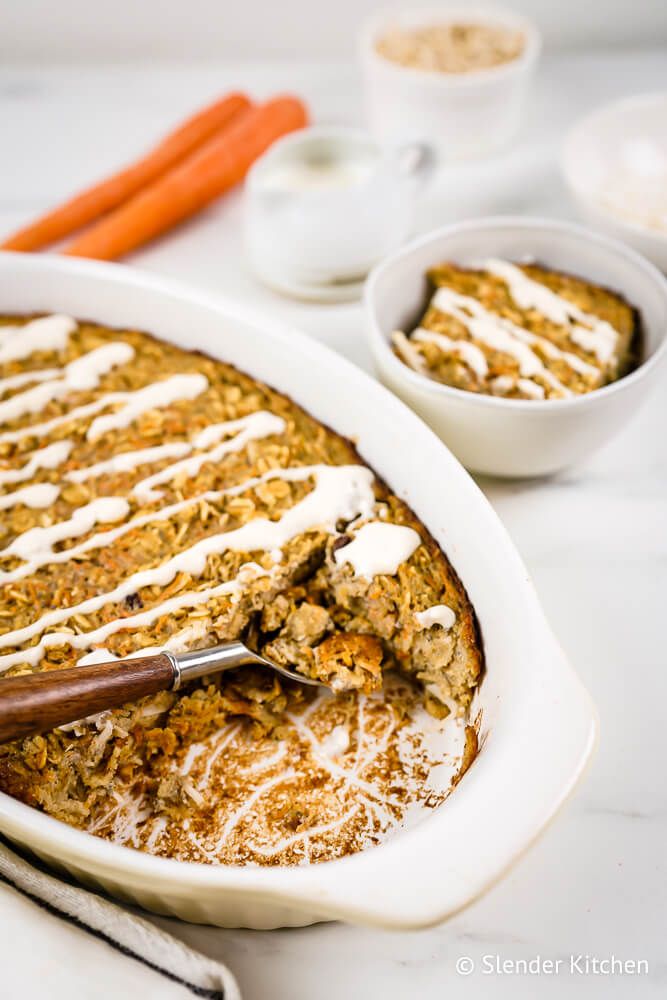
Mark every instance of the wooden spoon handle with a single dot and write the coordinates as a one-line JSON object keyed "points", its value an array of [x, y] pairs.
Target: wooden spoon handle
{"points": [[33, 703]]}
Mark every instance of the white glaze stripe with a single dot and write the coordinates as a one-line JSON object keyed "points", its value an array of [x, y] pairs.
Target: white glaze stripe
{"points": [[27, 378], [378, 547], [257, 425], [438, 614], [134, 404], [529, 388], [151, 397], [252, 427], [48, 333], [78, 413], [38, 496], [584, 329], [503, 384], [125, 461], [80, 375], [408, 352], [189, 599], [497, 333], [469, 353], [45, 458], [36, 544], [341, 492], [178, 643]]}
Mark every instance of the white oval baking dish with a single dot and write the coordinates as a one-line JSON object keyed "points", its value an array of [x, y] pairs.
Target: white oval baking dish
{"points": [[538, 724]]}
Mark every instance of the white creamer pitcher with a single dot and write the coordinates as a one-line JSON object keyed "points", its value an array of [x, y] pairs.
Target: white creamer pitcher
{"points": [[324, 205]]}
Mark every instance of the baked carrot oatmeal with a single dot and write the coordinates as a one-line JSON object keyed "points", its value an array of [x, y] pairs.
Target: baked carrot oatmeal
{"points": [[155, 498], [521, 331]]}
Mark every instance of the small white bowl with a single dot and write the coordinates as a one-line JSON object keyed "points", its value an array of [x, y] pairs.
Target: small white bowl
{"points": [[516, 437], [628, 140], [461, 115]]}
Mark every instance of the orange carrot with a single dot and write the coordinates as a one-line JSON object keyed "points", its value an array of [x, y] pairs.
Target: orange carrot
{"points": [[210, 171], [114, 190]]}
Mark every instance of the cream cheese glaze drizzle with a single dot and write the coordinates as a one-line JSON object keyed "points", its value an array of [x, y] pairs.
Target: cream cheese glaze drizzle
{"points": [[133, 405], [28, 378], [48, 333], [499, 334], [339, 493], [587, 331], [471, 355], [38, 496], [125, 461], [503, 384], [257, 425], [80, 375], [408, 351], [190, 599], [489, 330], [151, 397], [378, 547], [439, 614], [38, 542], [49, 457]]}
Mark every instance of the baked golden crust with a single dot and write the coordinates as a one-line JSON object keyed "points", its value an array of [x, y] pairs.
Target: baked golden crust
{"points": [[597, 344], [300, 605]]}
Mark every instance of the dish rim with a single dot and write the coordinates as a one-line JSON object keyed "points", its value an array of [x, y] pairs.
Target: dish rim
{"points": [[380, 343], [359, 887]]}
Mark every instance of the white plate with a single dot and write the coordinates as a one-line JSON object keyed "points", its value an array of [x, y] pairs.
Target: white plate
{"points": [[621, 146], [538, 724]]}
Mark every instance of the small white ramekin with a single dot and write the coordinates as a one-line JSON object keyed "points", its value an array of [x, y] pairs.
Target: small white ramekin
{"points": [[516, 437], [460, 115], [618, 136]]}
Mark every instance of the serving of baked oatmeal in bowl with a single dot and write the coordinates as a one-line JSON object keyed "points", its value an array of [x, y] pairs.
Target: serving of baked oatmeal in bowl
{"points": [[157, 497], [525, 343]]}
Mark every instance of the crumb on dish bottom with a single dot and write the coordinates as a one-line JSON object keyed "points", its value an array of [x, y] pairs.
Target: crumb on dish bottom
{"points": [[338, 775]]}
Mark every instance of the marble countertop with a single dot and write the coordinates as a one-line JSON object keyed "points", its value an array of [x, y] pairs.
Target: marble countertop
{"points": [[594, 539]]}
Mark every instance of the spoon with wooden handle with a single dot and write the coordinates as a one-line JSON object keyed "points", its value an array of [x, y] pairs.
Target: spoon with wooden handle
{"points": [[33, 703]]}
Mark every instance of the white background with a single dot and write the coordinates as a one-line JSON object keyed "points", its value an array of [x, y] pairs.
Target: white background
{"points": [[85, 30], [594, 538]]}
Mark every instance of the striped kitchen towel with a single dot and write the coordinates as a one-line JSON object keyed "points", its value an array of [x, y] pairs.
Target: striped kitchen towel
{"points": [[61, 941]]}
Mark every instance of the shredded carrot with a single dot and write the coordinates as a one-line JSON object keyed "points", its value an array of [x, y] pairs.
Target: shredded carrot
{"points": [[113, 191], [207, 173]]}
